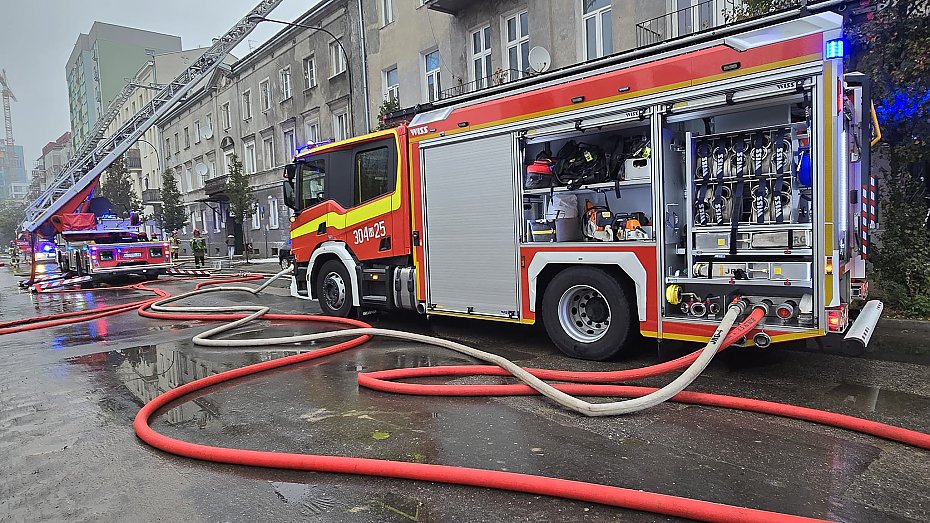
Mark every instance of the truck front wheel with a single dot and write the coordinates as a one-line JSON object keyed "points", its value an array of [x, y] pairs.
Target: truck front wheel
{"points": [[586, 313], [334, 289]]}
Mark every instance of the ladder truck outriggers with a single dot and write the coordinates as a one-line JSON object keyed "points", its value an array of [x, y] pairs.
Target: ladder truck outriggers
{"points": [[640, 193], [72, 192]]}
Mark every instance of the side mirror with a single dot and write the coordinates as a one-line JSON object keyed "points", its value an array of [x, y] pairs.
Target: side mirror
{"points": [[290, 195], [290, 171]]}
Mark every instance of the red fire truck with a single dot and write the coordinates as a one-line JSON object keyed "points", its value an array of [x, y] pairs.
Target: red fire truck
{"points": [[639, 192], [107, 246]]}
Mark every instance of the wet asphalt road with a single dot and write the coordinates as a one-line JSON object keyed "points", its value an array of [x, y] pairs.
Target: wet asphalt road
{"points": [[68, 396]]}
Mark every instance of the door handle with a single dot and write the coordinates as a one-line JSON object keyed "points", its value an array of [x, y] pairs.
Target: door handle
{"points": [[321, 229]]}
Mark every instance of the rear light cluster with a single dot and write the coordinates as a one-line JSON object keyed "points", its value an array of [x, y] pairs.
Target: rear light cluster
{"points": [[837, 318]]}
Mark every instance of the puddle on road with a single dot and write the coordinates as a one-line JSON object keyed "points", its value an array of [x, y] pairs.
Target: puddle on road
{"points": [[875, 399]]}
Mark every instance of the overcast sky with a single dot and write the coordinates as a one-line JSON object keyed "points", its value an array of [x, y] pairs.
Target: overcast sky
{"points": [[37, 36]]}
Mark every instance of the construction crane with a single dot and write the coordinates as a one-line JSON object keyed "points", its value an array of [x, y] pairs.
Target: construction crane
{"points": [[80, 175], [9, 153]]}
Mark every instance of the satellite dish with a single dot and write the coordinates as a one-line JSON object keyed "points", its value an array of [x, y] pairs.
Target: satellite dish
{"points": [[202, 169], [539, 59], [207, 132]]}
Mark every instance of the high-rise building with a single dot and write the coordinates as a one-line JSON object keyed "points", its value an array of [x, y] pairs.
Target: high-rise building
{"points": [[16, 175], [99, 65]]}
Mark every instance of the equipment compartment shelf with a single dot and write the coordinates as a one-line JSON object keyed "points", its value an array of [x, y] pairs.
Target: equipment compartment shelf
{"points": [[757, 253], [590, 187], [752, 283]]}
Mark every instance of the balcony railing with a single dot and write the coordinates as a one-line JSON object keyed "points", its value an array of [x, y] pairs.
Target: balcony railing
{"points": [[133, 159], [500, 77], [151, 196], [695, 18], [701, 16], [215, 186]]}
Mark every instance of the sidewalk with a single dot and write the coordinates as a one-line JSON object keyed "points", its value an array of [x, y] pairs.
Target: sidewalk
{"points": [[238, 264]]}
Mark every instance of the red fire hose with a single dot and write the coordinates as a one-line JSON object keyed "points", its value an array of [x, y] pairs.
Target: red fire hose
{"points": [[568, 489]]}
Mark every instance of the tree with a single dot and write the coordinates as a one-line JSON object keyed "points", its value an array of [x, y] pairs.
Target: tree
{"points": [[117, 188], [242, 202], [389, 105], [890, 47], [750, 8], [171, 214], [12, 213]]}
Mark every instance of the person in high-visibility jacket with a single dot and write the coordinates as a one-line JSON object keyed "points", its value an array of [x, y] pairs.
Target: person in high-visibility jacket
{"points": [[174, 244], [199, 248]]}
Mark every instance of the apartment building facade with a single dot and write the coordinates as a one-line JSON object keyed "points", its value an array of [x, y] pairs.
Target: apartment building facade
{"points": [[296, 88], [99, 64], [292, 90]]}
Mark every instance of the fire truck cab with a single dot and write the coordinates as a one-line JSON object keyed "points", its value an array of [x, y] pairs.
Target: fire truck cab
{"points": [[642, 192]]}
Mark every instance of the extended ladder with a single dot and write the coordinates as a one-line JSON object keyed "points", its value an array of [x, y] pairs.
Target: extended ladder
{"points": [[97, 152]]}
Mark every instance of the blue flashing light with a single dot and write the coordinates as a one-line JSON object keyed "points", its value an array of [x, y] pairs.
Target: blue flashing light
{"points": [[835, 49], [47, 248]]}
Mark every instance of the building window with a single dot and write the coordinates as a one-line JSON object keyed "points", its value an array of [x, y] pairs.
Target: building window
{"points": [[247, 105], [273, 219], [212, 173], [228, 161], [290, 145], [268, 153], [598, 30], [517, 43], [187, 137], [203, 219], [227, 117], [690, 16], [480, 51], [177, 143], [256, 218], [309, 72], [387, 11], [264, 93], [312, 130], [432, 80], [197, 131], [391, 85], [336, 58], [285, 76], [216, 220], [168, 147], [208, 128], [189, 178], [248, 164], [341, 125]]}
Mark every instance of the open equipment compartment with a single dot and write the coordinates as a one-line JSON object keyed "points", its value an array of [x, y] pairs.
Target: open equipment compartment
{"points": [[744, 224], [588, 185]]}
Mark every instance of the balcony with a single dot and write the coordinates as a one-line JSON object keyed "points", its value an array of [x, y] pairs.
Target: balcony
{"points": [[151, 196], [134, 160], [450, 7], [695, 18], [215, 186], [500, 77]]}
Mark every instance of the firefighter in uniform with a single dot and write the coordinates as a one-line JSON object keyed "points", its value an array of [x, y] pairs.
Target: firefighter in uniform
{"points": [[174, 244], [199, 248]]}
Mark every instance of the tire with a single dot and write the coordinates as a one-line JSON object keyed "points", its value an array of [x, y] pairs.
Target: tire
{"points": [[285, 262], [587, 313], [334, 289]]}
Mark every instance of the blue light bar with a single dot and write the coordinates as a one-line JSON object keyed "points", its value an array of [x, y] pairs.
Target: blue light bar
{"points": [[835, 49]]}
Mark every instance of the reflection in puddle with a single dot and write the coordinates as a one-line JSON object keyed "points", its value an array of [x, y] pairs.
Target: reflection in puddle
{"points": [[875, 399], [312, 499]]}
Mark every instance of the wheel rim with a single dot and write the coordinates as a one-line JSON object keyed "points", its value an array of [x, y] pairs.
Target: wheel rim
{"points": [[584, 313], [334, 291]]}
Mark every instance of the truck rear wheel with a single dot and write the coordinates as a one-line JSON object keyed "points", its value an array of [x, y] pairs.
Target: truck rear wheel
{"points": [[586, 313], [334, 289]]}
